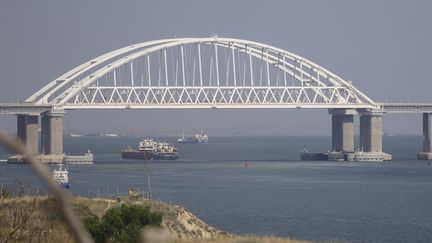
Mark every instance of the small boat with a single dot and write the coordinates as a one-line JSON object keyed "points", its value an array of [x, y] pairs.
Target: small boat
{"points": [[109, 135], [74, 135], [60, 175]]}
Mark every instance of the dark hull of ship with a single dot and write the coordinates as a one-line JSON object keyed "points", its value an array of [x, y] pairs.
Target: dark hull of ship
{"points": [[142, 155], [313, 156], [65, 185]]}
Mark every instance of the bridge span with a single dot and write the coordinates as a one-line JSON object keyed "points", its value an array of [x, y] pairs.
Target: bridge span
{"points": [[199, 73]]}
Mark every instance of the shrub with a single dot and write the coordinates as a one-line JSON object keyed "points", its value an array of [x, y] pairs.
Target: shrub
{"points": [[121, 224]]}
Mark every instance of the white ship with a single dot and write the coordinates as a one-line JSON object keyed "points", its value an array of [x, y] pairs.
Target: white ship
{"points": [[74, 135], [61, 176], [109, 135], [87, 158]]}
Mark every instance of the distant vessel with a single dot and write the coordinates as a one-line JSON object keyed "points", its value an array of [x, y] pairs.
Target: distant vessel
{"points": [[60, 175], [109, 135], [360, 156], [336, 156], [76, 135], [150, 149], [198, 138], [306, 155], [87, 158]]}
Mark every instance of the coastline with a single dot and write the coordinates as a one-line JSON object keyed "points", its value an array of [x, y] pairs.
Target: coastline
{"points": [[40, 220]]}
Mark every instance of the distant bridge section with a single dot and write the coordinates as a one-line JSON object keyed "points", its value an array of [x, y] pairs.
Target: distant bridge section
{"points": [[406, 107], [24, 108]]}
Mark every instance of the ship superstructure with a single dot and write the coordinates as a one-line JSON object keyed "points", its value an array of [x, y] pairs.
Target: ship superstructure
{"points": [[61, 176], [149, 149], [87, 158], [198, 138]]}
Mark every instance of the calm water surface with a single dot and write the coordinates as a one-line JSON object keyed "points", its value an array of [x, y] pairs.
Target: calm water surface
{"points": [[276, 194]]}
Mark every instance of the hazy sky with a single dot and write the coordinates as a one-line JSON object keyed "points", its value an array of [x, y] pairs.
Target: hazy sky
{"points": [[384, 47]]}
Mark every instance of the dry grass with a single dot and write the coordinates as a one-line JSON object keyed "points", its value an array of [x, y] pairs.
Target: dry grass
{"points": [[96, 206], [40, 221], [32, 220], [241, 239]]}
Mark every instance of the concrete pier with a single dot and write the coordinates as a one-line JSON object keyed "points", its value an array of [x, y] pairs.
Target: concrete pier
{"points": [[426, 154], [52, 133], [51, 136], [21, 128], [370, 138], [27, 132], [342, 130], [32, 131], [371, 132]]}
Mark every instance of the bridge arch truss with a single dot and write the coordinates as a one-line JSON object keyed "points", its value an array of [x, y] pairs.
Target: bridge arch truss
{"points": [[200, 73]]}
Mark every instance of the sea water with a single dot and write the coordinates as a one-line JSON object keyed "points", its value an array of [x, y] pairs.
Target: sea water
{"points": [[257, 185]]}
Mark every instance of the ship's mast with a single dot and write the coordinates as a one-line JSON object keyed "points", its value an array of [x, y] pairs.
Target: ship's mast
{"points": [[149, 193]]}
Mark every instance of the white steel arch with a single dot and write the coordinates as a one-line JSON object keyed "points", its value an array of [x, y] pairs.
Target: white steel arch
{"points": [[200, 73]]}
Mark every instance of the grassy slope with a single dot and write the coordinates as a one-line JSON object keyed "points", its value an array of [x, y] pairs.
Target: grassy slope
{"points": [[44, 223]]}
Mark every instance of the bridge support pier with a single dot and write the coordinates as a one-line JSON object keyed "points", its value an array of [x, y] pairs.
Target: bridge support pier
{"points": [[52, 133], [426, 154], [371, 132], [27, 132], [22, 128], [51, 136], [370, 137], [342, 130]]}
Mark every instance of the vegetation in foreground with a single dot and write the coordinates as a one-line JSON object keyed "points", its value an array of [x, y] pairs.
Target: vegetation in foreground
{"points": [[37, 219], [121, 224]]}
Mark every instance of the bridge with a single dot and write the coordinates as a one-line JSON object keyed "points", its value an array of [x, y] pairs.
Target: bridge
{"points": [[214, 72]]}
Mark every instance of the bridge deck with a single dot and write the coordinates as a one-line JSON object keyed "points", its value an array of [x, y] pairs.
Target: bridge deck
{"points": [[33, 109], [407, 107], [23, 108]]}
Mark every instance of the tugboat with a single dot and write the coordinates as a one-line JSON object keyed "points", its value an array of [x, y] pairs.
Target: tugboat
{"points": [[60, 175], [198, 138], [150, 149]]}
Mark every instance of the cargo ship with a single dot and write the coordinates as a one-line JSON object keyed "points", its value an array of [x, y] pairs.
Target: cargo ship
{"points": [[150, 149], [198, 138]]}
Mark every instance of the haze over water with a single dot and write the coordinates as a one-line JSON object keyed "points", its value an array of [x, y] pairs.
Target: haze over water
{"points": [[275, 194]]}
